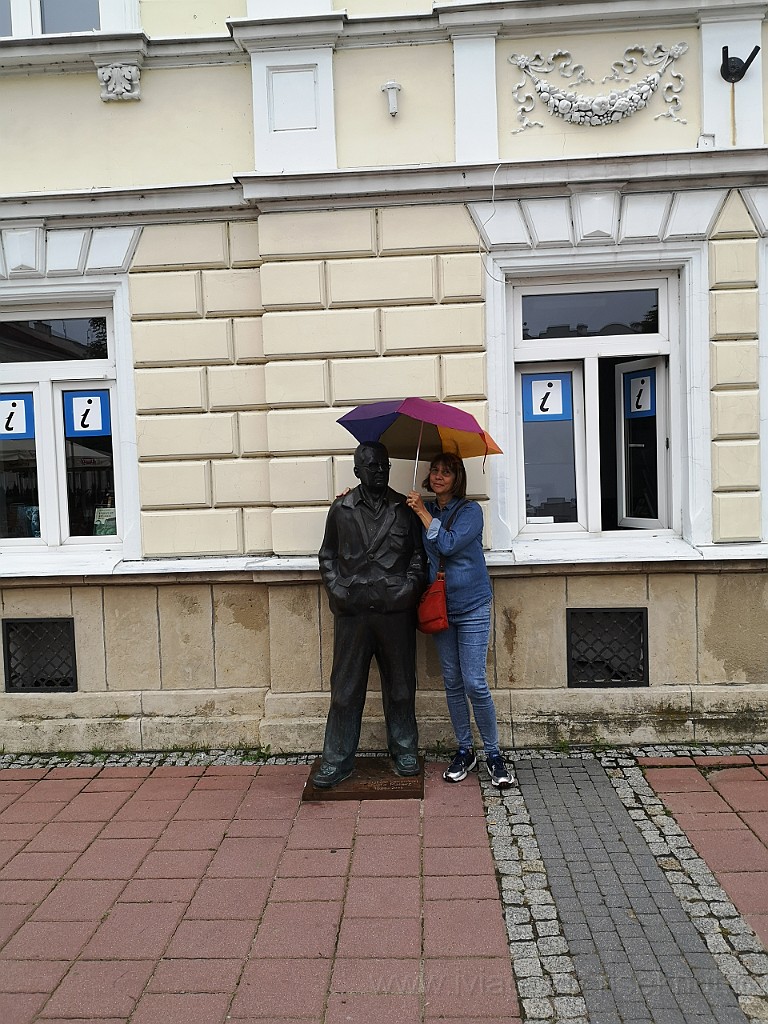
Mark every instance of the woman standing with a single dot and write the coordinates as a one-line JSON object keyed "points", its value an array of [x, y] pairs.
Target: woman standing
{"points": [[453, 528]]}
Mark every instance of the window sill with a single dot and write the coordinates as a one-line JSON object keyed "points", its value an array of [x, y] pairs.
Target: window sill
{"points": [[21, 563], [617, 547], [85, 560], [572, 550]]}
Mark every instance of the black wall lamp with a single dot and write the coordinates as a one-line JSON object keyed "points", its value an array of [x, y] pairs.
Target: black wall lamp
{"points": [[733, 69]]}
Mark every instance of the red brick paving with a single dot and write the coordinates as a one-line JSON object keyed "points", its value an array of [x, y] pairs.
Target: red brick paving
{"points": [[373, 1009], [132, 896], [725, 815], [676, 780]]}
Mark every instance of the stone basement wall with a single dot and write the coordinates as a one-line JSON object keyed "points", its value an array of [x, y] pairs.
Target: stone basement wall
{"points": [[250, 340], [177, 663]]}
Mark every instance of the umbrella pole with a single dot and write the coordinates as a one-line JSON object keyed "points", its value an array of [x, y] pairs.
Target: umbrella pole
{"points": [[418, 450]]}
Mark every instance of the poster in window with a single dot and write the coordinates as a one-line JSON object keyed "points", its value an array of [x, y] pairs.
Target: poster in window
{"points": [[639, 394], [547, 397], [17, 417], [105, 522], [86, 414]]}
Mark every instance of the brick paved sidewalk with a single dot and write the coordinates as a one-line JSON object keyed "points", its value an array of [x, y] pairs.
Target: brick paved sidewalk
{"points": [[721, 803], [193, 894]]}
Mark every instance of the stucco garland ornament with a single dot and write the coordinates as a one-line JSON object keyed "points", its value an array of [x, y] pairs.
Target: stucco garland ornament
{"points": [[606, 108]]}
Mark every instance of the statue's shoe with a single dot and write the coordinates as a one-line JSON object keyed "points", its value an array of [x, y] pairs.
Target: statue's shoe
{"points": [[407, 764], [328, 775]]}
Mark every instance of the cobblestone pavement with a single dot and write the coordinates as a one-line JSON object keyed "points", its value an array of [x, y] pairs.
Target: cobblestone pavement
{"points": [[629, 893]]}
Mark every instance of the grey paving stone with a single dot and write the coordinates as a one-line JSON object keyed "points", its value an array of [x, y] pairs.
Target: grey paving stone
{"points": [[608, 940], [611, 891]]}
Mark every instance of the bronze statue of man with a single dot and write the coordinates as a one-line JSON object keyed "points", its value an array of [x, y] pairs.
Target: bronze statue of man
{"points": [[373, 566]]}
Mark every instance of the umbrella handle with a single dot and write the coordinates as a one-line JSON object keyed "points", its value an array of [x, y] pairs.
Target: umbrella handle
{"points": [[418, 449]]}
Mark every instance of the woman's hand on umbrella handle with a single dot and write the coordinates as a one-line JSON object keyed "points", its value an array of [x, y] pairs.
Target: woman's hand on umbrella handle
{"points": [[415, 503]]}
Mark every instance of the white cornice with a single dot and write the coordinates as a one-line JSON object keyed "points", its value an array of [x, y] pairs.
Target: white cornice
{"points": [[525, 17], [738, 12], [62, 54], [519, 18], [393, 31], [185, 52], [57, 54], [292, 34], [199, 201], [648, 172]]}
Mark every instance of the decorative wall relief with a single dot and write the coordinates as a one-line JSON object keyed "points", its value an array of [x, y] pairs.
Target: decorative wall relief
{"points": [[120, 82], [608, 107]]}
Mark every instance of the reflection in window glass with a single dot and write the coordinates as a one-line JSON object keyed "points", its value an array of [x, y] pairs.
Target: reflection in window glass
{"points": [[38, 341], [548, 448], [5, 17], [550, 472], [642, 482], [19, 498], [69, 15], [640, 450], [586, 314], [89, 464]]}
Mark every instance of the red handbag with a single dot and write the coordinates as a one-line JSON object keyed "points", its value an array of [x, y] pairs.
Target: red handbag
{"points": [[432, 612]]}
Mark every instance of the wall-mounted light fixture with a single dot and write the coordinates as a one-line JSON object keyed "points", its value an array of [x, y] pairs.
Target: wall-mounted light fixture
{"points": [[733, 69], [391, 89]]}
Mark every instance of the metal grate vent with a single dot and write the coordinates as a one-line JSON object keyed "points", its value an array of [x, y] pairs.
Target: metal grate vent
{"points": [[39, 655], [607, 647]]}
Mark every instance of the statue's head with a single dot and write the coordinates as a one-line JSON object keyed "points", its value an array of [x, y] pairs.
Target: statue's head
{"points": [[372, 466]]}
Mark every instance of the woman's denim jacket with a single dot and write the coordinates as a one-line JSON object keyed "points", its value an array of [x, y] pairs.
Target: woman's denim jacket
{"points": [[466, 577]]}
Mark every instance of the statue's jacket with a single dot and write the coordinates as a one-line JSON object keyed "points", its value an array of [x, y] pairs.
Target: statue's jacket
{"points": [[385, 572]]}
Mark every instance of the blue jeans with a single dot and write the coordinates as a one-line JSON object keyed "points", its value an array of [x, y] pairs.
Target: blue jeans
{"points": [[462, 649]]}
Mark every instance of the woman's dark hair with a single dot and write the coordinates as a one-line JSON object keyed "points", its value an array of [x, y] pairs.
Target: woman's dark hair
{"points": [[451, 462]]}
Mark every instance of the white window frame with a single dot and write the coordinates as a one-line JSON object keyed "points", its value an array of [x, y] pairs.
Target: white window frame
{"points": [[658, 365], [579, 454], [55, 549], [690, 414], [114, 16], [585, 352]]}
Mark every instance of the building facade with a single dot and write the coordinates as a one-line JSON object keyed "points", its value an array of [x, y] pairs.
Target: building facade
{"points": [[223, 225]]}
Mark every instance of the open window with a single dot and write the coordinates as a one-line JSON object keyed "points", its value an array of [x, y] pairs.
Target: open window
{"points": [[592, 389]]}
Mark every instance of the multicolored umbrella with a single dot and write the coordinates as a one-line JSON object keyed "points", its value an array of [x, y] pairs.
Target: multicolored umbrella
{"points": [[415, 427]]}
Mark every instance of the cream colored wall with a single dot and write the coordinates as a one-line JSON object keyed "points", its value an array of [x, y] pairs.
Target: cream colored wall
{"points": [[637, 134], [735, 398], [250, 340], [195, 300], [191, 124], [422, 131], [189, 17]]}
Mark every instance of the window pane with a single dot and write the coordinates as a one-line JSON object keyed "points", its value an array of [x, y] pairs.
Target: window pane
{"points": [[640, 462], [69, 15], [5, 17], [548, 448], [585, 314], [19, 498], [38, 341], [89, 462]]}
